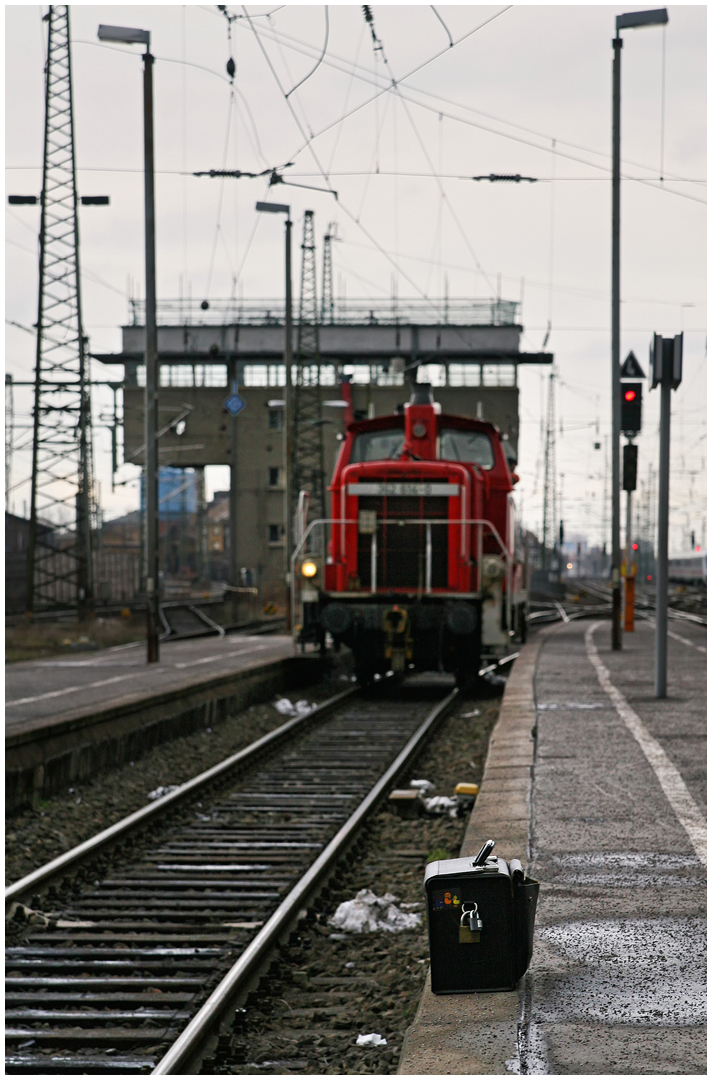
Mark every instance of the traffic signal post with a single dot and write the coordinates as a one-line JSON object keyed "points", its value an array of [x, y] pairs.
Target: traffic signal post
{"points": [[631, 403], [630, 470], [665, 372]]}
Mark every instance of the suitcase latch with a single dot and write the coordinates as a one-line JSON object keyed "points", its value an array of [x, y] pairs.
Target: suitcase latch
{"points": [[470, 924]]}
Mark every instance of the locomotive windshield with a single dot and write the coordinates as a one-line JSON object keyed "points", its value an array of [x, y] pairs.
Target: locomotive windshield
{"points": [[472, 446], [377, 445]]}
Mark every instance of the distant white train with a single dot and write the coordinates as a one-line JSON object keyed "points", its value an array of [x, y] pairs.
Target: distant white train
{"points": [[687, 568]]}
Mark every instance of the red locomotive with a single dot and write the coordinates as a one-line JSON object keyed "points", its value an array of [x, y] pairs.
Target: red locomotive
{"points": [[421, 571]]}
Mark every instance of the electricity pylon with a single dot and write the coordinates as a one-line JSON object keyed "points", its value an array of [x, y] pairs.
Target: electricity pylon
{"points": [[327, 278], [62, 506], [308, 437]]}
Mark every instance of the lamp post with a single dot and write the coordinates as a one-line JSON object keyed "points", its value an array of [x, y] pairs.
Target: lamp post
{"points": [[623, 22], [131, 36], [282, 208]]}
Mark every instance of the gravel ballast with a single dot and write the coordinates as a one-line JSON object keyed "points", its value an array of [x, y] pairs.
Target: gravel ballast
{"points": [[34, 837], [326, 988]]}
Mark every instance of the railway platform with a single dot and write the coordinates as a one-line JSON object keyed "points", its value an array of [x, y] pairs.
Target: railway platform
{"points": [[66, 717], [603, 788]]}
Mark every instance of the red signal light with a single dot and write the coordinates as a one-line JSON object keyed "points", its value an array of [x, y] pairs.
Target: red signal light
{"points": [[634, 546], [698, 548], [650, 577], [630, 395]]}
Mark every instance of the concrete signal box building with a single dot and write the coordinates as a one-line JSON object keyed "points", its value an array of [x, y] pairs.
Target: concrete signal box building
{"points": [[468, 350]]}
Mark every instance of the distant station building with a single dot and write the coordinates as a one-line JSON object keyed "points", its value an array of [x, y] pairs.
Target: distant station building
{"points": [[468, 350]]}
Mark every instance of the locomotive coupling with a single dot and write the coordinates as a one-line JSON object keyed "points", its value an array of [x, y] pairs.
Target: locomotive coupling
{"points": [[399, 643]]}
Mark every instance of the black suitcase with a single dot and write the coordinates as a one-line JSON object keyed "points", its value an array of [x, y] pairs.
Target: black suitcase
{"points": [[480, 923]]}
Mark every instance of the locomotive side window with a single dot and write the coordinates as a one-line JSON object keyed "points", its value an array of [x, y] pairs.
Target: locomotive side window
{"points": [[377, 445], [473, 446]]}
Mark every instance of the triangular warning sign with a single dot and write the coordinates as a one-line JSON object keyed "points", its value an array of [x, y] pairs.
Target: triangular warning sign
{"points": [[630, 368]]}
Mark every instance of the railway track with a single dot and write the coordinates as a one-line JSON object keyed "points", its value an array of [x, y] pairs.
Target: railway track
{"points": [[159, 926], [185, 620], [555, 611]]}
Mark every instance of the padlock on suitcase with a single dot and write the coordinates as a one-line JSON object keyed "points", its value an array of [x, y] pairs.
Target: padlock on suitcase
{"points": [[470, 924]]}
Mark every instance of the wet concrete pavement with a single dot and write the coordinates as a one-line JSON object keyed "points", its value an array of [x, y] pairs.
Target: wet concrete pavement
{"points": [[36, 690], [616, 984]]}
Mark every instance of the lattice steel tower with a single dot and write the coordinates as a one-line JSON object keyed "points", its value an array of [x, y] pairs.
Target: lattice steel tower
{"points": [[308, 429], [549, 533], [62, 506], [327, 278]]}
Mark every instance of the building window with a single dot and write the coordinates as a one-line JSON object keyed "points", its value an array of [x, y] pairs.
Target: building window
{"points": [[210, 375], [274, 534], [464, 374], [275, 420], [256, 375], [190, 375], [275, 476]]}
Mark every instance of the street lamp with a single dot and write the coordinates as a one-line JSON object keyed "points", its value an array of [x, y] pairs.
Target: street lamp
{"points": [[131, 36], [623, 22], [282, 208]]}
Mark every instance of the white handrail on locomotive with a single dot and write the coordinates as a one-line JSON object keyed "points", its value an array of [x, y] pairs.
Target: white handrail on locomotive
{"points": [[481, 522]]}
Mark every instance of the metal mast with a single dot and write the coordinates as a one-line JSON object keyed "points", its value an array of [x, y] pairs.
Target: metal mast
{"points": [[327, 279], [59, 555], [308, 430], [549, 523], [9, 436]]}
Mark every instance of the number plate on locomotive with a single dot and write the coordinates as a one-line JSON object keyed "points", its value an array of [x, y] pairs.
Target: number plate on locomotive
{"points": [[382, 488]]}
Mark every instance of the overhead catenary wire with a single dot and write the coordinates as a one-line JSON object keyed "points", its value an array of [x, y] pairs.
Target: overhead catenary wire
{"points": [[428, 159], [432, 108], [323, 52], [349, 88], [440, 19], [220, 194], [654, 183], [345, 208]]}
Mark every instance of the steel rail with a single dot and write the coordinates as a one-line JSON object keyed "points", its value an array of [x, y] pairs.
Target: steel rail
{"points": [[602, 593], [188, 1044], [45, 874]]}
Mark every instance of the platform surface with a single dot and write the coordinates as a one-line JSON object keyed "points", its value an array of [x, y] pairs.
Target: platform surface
{"points": [[617, 807], [38, 690]]}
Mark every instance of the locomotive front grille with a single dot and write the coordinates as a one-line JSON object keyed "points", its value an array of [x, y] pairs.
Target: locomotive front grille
{"points": [[401, 558]]}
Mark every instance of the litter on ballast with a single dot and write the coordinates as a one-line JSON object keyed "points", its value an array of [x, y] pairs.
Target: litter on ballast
{"points": [[21, 913], [285, 707], [371, 1040], [442, 804], [159, 792], [423, 786], [368, 913], [469, 715]]}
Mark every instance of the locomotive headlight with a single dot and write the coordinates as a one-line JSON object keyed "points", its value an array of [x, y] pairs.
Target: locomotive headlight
{"points": [[309, 568]]}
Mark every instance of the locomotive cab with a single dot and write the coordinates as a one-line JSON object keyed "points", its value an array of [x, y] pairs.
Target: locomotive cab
{"points": [[421, 571]]}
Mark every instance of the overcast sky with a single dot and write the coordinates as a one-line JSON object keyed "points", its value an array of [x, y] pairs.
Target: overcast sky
{"points": [[524, 89]]}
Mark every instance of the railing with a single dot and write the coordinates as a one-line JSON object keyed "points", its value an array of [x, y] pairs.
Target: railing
{"points": [[456, 311], [482, 524]]}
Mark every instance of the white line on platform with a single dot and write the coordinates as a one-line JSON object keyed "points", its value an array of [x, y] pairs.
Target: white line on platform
{"points": [[73, 689], [674, 787], [686, 641], [132, 675], [220, 656]]}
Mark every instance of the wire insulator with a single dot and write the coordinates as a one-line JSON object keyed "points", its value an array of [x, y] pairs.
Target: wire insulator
{"points": [[231, 68]]}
